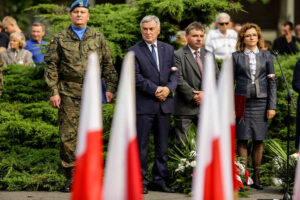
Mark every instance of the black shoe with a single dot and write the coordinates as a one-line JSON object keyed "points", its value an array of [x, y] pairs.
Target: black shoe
{"points": [[145, 189], [68, 183], [163, 188], [67, 187], [258, 187]]}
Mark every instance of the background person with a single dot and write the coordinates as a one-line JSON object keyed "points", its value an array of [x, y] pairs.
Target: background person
{"points": [[16, 54], [259, 87], [156, 79], [221, 41], [10, 25], [4, 39], [286, 43], [297, 31], [34, 44], [66, 63]]}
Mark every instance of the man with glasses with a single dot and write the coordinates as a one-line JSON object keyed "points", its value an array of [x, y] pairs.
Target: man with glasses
{"points": [[221, 41]]}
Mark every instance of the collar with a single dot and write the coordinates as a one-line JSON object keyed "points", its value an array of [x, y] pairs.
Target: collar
{"points": [[193, 51], [149, 45], [247, 51]]}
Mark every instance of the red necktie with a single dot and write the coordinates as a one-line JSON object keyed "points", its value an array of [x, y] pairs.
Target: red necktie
{"points": [[199, 62]]}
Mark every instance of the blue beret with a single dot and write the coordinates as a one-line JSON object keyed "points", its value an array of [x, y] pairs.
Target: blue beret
{"points": [[80, 3]]}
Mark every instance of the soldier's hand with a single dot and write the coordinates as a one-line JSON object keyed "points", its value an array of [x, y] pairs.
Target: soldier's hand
{"points": [[109, 96], [55, 101], [271, 114]]}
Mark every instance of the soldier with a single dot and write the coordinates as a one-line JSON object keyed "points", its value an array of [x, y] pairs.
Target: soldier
{"points": [[66, 63]]}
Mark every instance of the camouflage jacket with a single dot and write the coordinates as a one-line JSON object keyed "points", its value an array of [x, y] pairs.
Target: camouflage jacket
{"points": [[67, 58]]}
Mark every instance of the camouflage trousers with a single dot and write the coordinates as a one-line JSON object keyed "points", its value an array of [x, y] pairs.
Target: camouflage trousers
{"points": [[68, 117]]}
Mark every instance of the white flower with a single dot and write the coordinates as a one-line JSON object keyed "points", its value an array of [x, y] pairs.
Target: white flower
{"points": [[193, 163], [183, 160], [180, 168], [193, 154], [295, 156], [277, 162], [187, 164], [277, 181]]}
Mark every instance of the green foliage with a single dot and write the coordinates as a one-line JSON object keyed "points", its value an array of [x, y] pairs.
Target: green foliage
{"points": [[29, 138], [276, 167], [120, 22], [24, 84]]}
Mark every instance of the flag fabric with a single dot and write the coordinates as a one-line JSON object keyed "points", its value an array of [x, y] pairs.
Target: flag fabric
{"points": [[227, 124], [208, 176], [123, 180], [88, 172], [296, 193]]}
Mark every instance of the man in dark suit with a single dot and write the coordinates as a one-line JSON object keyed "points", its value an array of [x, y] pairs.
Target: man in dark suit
{"points": [[188, 94], [156, 79]]}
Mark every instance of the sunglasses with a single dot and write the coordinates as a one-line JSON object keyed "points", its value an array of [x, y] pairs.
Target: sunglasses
{"points": [[222, 24]]}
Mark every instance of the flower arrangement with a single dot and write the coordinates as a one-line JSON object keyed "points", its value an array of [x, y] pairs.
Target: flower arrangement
{"points": [[279, 164], [184, 162]]}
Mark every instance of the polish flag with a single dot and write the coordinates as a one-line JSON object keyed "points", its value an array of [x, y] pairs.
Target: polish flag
{"points": [[227, 124], [87, 181], [208, 180], [123, 180], [296, 193]]}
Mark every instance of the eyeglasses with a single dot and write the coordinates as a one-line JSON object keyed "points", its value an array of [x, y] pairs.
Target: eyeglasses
{"points": [[253, 35], [223, 23]]}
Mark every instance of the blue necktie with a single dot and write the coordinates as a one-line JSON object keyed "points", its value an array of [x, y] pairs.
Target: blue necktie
{"points": [[153, 53]]}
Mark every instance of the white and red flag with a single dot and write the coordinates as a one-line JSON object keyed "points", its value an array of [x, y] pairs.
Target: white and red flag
{"points": [[208, 176], [227, 124], [123, 180], [88, 172]]}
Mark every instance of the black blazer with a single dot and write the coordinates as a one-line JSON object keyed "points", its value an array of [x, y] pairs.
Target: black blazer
{"points": [[265, 83]]}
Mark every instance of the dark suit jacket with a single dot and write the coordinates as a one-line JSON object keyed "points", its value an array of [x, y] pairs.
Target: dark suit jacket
{"points": [[148, 78], [189, 80], [296, 87], [265, 87]]}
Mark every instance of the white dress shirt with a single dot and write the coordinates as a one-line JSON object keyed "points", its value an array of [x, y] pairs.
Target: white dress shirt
{"points": [[252, 61], [218, 44]]}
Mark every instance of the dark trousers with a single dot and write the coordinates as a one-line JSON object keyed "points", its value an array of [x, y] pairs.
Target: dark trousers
{"points": [[160, 124], [182, 125]]}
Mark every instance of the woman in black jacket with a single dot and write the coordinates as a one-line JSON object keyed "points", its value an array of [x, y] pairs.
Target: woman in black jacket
{"points": [[254, 81]]}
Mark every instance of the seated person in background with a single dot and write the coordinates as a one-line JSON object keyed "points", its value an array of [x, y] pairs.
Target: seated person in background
{"points": [[33, 45], [4, 40], [267, 45], [16, 54], [286, 43]]}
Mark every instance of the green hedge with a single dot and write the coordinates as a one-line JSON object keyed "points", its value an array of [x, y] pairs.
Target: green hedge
{"points": [[29, 138]]}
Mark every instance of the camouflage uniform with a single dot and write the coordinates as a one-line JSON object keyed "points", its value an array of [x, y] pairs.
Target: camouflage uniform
{"points": [[66, 63]]}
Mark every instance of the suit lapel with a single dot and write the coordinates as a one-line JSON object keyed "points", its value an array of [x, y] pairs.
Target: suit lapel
{"points": [[191, 60], [258, 59], [148, 54], [247, 65]]}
